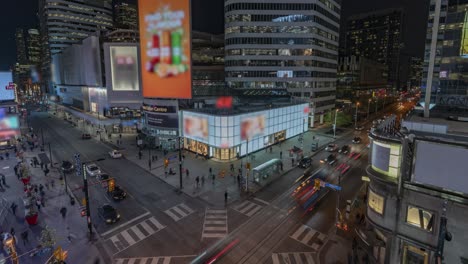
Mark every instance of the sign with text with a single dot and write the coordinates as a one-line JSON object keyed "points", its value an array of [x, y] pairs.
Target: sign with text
{"points": [[161, 120], [7, 87], [165, 48], [159, 109]]}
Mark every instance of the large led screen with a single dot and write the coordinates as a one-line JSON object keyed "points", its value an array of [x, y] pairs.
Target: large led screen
{"points": [[252, 127], [196, 127], [386, 158], [162, 120], [165, 48], [441, 165], [124, 68], [7, 87], [9, 127]]}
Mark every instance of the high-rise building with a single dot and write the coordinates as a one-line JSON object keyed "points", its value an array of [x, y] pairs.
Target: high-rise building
{"points": [[125, 16], [445, 76], [282, 48], [21, 56], [33, 46], [66, 22], [377, 35], [415, 72]]}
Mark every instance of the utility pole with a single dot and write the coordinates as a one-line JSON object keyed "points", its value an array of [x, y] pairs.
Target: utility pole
{"points": [[50, 154], [181, 142]]}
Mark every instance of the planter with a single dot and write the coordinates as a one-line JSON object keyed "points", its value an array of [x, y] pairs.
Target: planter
{"points": [[32, 219], [26, 180]]}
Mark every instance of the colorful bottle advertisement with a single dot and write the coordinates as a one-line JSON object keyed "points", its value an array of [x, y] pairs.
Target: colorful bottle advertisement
{"points": [[165, 48]]}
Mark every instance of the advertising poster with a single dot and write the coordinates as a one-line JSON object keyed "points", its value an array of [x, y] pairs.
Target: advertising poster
{"points": [[162, 120], [7, 87], [252, 127], [9, 127], [124, 68], [165, 48], [196, 127]]}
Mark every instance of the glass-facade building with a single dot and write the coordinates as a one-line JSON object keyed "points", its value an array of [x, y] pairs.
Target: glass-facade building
{"points": [[282, 48], [449, 87]]}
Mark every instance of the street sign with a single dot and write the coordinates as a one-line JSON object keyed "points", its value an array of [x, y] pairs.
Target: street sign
{"points": [[332, 186]]}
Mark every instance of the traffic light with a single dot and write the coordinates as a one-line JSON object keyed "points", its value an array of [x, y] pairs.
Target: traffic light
{"points": [[111, 185], [317, 184]]}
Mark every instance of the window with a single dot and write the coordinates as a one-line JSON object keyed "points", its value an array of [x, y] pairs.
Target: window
{"points": [[420, 218], [376, 202], [414, 255]]}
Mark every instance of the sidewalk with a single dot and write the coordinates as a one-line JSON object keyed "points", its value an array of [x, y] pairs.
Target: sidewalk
{"points": [[68, 231]]}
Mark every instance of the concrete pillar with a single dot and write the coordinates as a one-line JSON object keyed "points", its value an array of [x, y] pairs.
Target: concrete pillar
{"points": [[321, 118]]}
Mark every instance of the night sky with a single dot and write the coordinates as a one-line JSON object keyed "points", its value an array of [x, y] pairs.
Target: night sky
{"points": [[208, 16]]}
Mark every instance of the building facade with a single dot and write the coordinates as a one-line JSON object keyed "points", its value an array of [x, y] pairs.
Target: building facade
{"points": [[33, 46], [417, 200], [66, 22], [283, 48], [20, 39], [377, 35], [415, 72], [444, 83], [125, 16]]}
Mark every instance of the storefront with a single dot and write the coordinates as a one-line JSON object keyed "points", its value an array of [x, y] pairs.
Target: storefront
{"points": [[226, 137]]}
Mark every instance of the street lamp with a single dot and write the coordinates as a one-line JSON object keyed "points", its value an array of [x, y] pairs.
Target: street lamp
{"points": [[355, 120], [368, 108], [334, 125]]}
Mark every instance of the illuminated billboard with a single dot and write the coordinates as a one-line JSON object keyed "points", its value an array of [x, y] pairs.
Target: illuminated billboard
{"points": [[464, 39], [124, 68], [165, 48], [252, 127], [386, 158], [196, 127], [9, 127], [7, 87]]}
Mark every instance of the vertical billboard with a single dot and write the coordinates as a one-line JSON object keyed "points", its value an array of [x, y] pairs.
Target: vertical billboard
{"points": [[165, 48], [124, 68], [196, 127], [252, 126], [7, 87]]}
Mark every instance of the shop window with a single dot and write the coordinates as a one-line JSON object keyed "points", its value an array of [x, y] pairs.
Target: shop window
{"points": [[420, 218], [376, 202], [414, 255]]}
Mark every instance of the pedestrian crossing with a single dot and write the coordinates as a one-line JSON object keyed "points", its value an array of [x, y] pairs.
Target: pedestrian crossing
{"points": [[293, 258], [247, 208], [135, 234], [215, 225], [309, 237], [155, 260], [179, 212]]}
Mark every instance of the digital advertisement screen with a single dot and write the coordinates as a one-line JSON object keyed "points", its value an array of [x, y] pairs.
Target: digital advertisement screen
{"points": [[196, 127], [124, 68], [162, 120], [165, 48], [9, 126], [464, 39], [7, 87], [252, 127], [386, 158]]}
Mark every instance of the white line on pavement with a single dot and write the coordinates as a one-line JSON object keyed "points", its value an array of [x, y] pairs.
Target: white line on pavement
{"points": [[262, 201], [124, 224]]}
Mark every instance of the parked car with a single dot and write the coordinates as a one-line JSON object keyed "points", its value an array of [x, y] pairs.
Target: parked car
{"points": [[93, 170], [85, 136], [67, 166], [356, 140], [331, 147], [115, 154], [108, 214], [344, 149], [305, 162], [330, 159], [118, 193]]}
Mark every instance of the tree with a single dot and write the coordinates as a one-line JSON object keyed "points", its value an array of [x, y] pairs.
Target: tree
{"points": [[48, 238]]}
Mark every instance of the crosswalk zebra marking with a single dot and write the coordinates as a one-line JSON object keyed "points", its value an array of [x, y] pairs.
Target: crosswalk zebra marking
{"points": [[261, 201], [179, 212], [151, 260], [309, 237], [215, 224], [247, 208], [293, 257]]}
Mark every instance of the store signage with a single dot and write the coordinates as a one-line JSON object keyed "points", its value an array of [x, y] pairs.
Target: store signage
{"points": [[159, 109], [10, 86], [161, 120]]}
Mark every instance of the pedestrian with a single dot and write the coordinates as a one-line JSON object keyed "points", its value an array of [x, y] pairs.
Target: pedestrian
{"points": [[31, 163], [43, 200], [1, 186], [238, 179], [13, 208], [7, 155], [63, 212], [203, 180], [38, 204], [187, 172], [41, 188], [12, 232], [211, 170], [47, 185], [16, 169], [140, 154], [42, 165], [281, 154], [24, 236], [232, 167], [52, 183], [35, 189], [197, 180], [196, 155], [281, 166], [292, 162], [213, 178], [225, 196]]}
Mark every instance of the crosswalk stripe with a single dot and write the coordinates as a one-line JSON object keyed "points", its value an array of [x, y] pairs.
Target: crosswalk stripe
{"points": [[212, 222], [172, 215], [215, 228], [128, 237], [215, 224], [156, 223], [137, 232], [298, 232], [186, 208], [180, 212], [116, 242], [155, 261], [119, 261], [292, 257], [146, 227], [252, 212], [261, 201], [131, 261], [237, 207], [275, 259], [217, 211], [216, 217], [297, 258], [167, 260], [247, 208], [309, 258], [322, 237], [213, 235], [308, 236]]}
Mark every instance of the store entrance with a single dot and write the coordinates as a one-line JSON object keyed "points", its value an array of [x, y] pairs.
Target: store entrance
{"points": [[225, 153], [279, 136]]}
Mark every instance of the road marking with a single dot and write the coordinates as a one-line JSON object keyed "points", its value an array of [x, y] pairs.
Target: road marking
{"points": [[247, 208], [6, 167], [150, 260], [134, 234], [124, 224], [293, 257], [179, 212], [261, 201], [309, 237], [215, 224]]}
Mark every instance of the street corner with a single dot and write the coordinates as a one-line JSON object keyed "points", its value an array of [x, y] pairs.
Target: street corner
{"points": [[335, 250]]}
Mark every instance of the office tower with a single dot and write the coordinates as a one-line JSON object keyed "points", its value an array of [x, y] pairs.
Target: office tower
{"points": [[125, 16], [33, 46], [21, 56], [282, 48], [377, 35]]}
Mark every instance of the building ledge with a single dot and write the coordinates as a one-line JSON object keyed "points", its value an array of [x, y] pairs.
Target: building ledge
{"points": [[374, 175]]}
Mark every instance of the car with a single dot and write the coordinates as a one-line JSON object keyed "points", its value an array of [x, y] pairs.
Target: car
{"points": [[359, 128], [331, 147], [115, 154], [118, 193], [330, 159], [305, 162], [103, 178], [344, 149], [67, 166], [85, 136], [108, 213], [356, 140], [93, 170]]}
